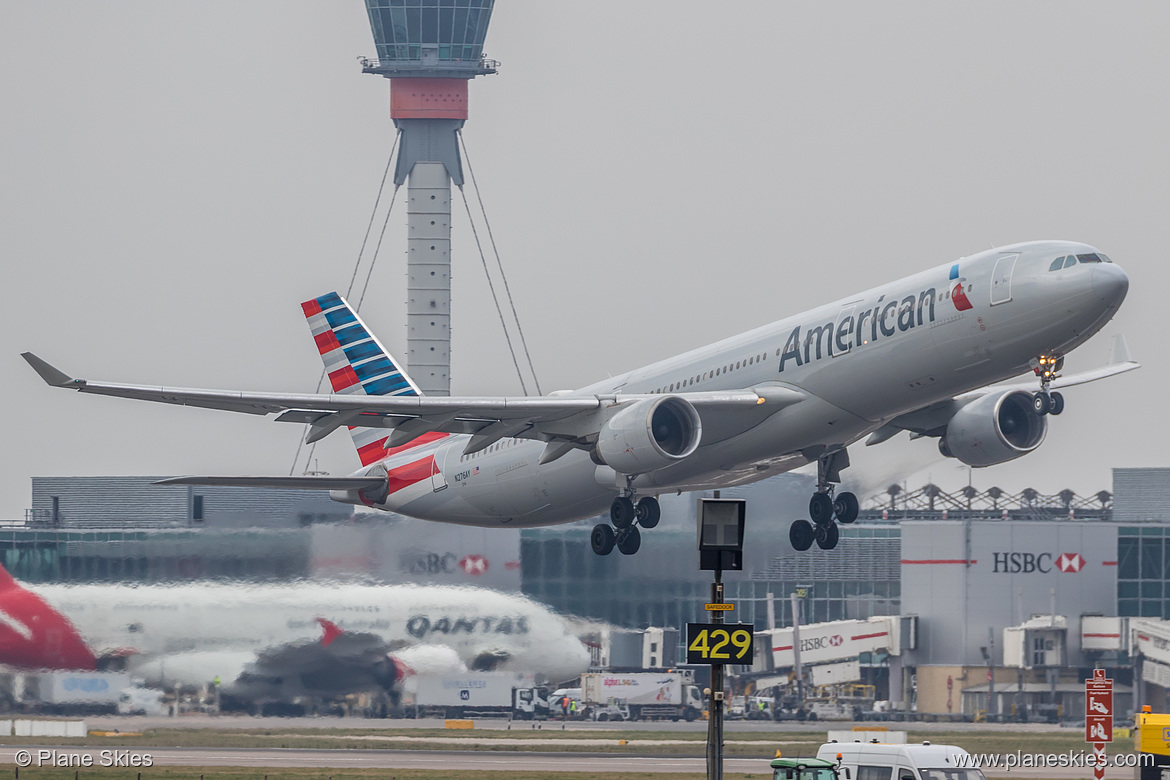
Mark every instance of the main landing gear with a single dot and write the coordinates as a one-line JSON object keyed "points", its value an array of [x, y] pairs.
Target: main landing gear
{"points": [[626, 515], [1046, 402], [823, 507]]}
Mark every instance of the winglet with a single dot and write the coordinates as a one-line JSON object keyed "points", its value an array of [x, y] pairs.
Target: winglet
{"points": [[332, 631], [51, 375], [1120, 351]]}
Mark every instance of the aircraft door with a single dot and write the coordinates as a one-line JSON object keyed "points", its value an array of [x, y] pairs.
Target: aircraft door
{"points": [[1001, 279]]}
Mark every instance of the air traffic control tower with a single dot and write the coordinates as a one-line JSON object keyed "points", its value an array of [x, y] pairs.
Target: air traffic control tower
{"points": [[430, 50]]}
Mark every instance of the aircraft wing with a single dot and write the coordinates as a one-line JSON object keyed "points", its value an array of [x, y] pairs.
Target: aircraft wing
{"points": [[339, 663], [931, 420], [568, 419]]}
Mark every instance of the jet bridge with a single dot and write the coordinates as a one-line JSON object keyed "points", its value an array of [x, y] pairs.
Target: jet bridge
{"points": [[835, 643]]}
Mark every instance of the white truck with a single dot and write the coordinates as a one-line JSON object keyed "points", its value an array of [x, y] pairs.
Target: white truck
{"points": [[647, 694], [474, 694], [75, 692]]}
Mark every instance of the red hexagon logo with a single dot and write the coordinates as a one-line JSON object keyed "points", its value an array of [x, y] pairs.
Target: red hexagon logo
{"points": [[836, 640], [474, 565], [1070, 562]]}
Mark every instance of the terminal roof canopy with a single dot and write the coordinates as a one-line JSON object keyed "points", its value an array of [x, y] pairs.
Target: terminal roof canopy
{"points": [[402, 27]]}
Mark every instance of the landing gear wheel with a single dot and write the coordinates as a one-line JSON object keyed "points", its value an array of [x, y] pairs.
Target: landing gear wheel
{"points": [[1057, 403], [800, 534], [1041, 403], [846, 507], [629, 540], [647, 512], [827, 536], [820, 508], [602, 539], [621, 512]]}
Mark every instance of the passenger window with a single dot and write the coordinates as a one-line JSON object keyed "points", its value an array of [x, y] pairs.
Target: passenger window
{"points": [[1070, 261], [1057, 264], [874, 772]]}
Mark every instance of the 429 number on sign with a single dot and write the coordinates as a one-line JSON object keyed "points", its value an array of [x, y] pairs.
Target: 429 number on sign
{"points": [[719, 643]]}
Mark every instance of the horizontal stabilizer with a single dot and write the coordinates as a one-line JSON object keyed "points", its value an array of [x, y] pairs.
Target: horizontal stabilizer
{"points": [[310, 482]]}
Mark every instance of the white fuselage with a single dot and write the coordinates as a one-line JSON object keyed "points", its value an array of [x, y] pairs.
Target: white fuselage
{"points": [[194, 633], [862, 361]]}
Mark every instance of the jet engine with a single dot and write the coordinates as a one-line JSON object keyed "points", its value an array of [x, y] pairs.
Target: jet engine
{"points": [[994, 429], [648, 435]]}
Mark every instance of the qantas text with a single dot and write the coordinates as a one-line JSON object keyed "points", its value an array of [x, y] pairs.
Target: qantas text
{"points": [[852, 329]]}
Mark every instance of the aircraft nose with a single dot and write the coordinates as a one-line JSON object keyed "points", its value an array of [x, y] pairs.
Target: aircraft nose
{"points": [[1110, 283]]}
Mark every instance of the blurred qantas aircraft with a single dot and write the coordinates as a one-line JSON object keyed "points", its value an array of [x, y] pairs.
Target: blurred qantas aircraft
{"points": [[282, 641], [917, 355]]}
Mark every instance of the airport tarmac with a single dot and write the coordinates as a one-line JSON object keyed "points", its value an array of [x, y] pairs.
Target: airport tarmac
{"points": [[434, 759]]}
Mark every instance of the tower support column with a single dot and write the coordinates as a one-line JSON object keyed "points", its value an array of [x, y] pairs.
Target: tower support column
{"points": [[428, 272]]}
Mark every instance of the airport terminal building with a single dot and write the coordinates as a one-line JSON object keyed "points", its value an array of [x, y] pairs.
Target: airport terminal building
{"points": [[1031, 593]]}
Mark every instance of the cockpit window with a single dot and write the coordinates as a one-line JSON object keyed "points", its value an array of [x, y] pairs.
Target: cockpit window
{"points": [[1071, 261], [1057, 264], [1104, 259], [1091, 257]]}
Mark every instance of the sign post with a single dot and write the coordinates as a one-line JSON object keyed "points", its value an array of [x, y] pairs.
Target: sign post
{"points": [[1098, 718], [721, 522]]}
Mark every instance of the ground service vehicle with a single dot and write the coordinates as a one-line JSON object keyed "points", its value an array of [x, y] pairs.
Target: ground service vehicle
{"points": [[66, 692], [648, 694], [803, 769], [142, 701], [530, 703], [866, 760], [474, 694], [614, 709]]}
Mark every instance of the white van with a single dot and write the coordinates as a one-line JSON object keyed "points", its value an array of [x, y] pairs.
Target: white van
{"points": [[874, 761]]}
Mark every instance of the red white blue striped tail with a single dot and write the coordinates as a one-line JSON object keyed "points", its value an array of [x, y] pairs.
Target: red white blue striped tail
{"points": [[356, 363]]}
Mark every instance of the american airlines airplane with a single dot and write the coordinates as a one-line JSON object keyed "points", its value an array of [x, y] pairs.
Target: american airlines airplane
{"points": [[918, 354], [314, 638]]}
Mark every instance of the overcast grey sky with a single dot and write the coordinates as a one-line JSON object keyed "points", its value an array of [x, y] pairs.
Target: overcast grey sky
{"points": [[177, 177]]}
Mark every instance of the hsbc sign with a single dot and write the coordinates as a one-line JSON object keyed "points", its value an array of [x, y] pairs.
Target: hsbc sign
{"points": [[1042, 563], [834, 641]]}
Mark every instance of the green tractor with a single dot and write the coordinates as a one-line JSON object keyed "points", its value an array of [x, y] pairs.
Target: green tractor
{"points": [[807, 769]]}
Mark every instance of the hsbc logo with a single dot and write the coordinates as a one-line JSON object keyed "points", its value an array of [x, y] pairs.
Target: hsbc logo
{"points": [[836, 640], [1031, 563], [474, 564]]}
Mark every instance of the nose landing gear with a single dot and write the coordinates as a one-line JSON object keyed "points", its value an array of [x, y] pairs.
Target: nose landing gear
{"points": [[823, 507], [1045, 401], [626, 515]]}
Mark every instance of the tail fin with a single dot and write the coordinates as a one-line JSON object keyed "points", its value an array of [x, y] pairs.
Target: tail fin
{"points": [[355, 362]]}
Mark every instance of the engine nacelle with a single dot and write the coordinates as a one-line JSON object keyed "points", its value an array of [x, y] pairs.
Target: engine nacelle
{"points": [[995, 429], [648, 435]]}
